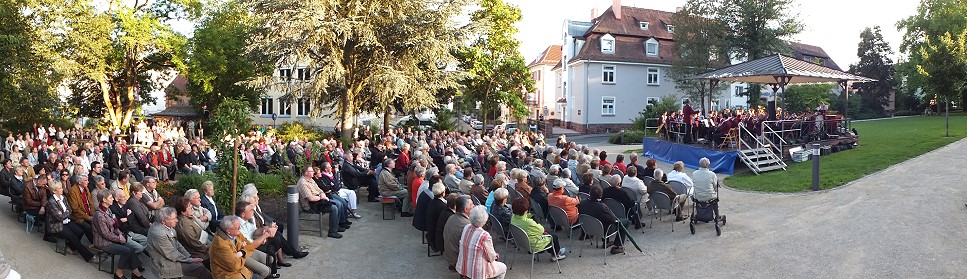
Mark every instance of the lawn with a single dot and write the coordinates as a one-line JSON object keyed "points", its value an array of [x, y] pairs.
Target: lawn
{"points": [[883, 143]]}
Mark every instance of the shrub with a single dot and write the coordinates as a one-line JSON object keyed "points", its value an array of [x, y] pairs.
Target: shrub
{"points": [[193, 181], [292, 130], [630, 137], [667, 103], [444, 120], [270, 184]]}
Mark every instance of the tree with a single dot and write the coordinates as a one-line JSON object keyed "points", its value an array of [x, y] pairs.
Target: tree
{"points": [[700, 45], [363, 55], [756, 30], [944, 66], [498, 74], [934, 18], [875, 63], [114, 54], [799, 98], [26, 81], [218, 67]]}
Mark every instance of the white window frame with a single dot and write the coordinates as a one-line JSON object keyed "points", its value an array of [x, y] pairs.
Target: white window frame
{"points": [[651, 101], [656, 72], [671, 28], [737, 90], [303, 107], [608, 38], [608, 110], [304, 74], [651, 42], [267, 107], [285, 109], [285, 74], [643, 25], [604, 73]]}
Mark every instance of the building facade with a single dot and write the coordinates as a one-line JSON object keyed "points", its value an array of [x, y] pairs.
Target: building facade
{"points": [[613, 65], [542, 103]]}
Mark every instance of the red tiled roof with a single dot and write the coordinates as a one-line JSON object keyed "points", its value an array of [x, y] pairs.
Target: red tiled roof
{"points": [[808, 52], [550, 57], [627, 49], [175, 92], [629, 37], [628, 25]]}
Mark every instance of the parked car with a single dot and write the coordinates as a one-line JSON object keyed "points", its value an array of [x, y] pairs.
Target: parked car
{"points": [[510, 127], [477, 125]]}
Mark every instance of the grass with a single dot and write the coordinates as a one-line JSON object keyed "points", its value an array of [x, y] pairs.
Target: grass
{"points": [[635, 151], [883, 143]]}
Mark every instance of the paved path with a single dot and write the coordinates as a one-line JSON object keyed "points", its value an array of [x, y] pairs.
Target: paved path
{"points": [[905, 222]]}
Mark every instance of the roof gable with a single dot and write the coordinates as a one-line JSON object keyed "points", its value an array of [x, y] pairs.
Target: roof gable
{"points": [[550, 57], [628, 25]]}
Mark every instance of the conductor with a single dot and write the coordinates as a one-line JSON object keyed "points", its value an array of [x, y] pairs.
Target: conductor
{"points": [[687, 114]]}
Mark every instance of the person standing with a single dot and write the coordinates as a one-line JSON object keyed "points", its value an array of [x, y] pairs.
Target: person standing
{"points": [[688, 113]]}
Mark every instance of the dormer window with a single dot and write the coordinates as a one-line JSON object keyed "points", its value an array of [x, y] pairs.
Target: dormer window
{"points": [[651, 47], [671, 28], [643, 25], [607, 44]]}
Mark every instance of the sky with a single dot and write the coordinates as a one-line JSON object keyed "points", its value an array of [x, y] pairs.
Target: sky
{"points": [[834, 25]]}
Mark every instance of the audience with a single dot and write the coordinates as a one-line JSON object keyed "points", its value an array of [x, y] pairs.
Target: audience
{"points": [[108, 237], [433, 210], [59, 222]]}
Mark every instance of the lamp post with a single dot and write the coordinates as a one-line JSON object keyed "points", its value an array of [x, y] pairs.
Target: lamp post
{"points": [[815, 167]]}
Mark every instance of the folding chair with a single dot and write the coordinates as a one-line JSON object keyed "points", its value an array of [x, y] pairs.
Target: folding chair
{"points": [[560, 219], [520, 238], [593, 226]]}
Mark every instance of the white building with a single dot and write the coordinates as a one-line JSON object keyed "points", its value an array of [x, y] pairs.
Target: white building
{"points": [[543, 102], [613, 65]]}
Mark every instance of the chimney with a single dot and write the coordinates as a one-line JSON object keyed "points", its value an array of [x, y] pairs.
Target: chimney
{"points": [[616, 8], [594, 13]]}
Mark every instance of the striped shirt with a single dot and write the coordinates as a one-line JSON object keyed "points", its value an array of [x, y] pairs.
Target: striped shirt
{"points": [[477, 254]]}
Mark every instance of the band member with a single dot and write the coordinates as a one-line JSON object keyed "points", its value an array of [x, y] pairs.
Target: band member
{"points": [[687, 114]]}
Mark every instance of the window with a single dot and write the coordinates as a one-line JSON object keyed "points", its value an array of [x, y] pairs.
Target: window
{"points": [[653, 76], [267, 106], [285, 74], [737, 91], [651, 101], [643, 25], [607, 105], [284, 107], [651, 47], [607, 44], [303, 107], [304, 74], [671, 28], [607, 74]]}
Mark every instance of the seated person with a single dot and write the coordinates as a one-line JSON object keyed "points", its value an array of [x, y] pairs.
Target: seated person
{"points": [[678, 200], [390, 186], [651, 170], [108, 237], [559, 199], [260, 263], [167, 253], [536, 234], [443, 218], [59, 222], [453, 229], [189, 233], [501, 210], [230, 250], [313, 200], [705, 181], [615, 192], [434, 207], [600, 211], [477, 258], [678, 174]]}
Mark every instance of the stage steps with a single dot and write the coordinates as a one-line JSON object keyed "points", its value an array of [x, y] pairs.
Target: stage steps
{"points": [[761, 159]]}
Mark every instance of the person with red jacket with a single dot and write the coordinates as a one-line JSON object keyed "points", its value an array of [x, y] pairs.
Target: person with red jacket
{"points": [[688, 113]]}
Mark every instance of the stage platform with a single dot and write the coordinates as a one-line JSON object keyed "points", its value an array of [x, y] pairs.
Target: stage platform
{"points": [[722, 161]]}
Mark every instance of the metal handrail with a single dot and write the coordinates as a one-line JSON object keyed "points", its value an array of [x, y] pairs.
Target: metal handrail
{"points": [[770, 131]]}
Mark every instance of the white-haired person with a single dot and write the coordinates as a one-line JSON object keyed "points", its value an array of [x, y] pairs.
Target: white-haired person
{"points": [[201, 215], [678, 174], [500, 209], [478, 259], [704, 184]]}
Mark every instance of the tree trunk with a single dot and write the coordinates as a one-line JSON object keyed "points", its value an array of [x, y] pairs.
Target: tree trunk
{"points": [[345, 115], [947, 120], [385, 120]]}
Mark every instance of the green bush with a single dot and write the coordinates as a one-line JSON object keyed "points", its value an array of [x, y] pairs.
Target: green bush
{"points": [[667, 103], [270, 184], [630, 137], [445, 120], [193, 181], [289, 131]]}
